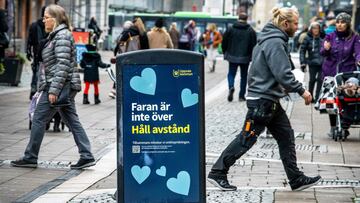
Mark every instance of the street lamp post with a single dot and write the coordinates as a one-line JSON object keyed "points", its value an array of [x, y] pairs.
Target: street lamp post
{"points": [[223, 8]]}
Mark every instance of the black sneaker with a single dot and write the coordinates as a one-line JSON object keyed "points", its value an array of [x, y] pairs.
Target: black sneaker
{"points": [[23, 163], [231, 94], [221, 182], [83, 163], [241, 99], [304, 182]]}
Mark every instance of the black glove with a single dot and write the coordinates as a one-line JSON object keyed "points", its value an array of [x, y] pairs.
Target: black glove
{"points": [[108, 65]]}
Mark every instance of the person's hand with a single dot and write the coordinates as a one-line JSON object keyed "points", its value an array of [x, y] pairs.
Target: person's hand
{"points": [[108, 65], [52, 98], [327, 45], [307, 97], [303, 67]]}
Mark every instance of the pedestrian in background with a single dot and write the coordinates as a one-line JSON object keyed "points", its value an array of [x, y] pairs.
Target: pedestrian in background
{"points": [[188, 36], [341, 51], [212, 40], [119, 48], [192, 31], [94, 26], [136, 31], [90, 62], [238, 44], [297, 40], [58, 58], [270, 78], [331, 27], [310, 55], [159, 37], [36, 34], [3, 29], [174, 35]]}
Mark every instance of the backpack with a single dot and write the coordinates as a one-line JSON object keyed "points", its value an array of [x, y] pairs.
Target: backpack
{"points": [[133, 43]]}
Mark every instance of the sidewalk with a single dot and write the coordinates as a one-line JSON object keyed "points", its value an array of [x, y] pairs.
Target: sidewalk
{"points": [[259, 175]]}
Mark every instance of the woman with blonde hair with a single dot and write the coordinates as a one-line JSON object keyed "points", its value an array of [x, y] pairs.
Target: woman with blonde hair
{"points": [[57, 75], [270, 78], [159, 37], [212, 40], [136, 32]]}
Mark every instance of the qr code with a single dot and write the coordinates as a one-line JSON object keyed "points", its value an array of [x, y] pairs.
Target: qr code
{"points": [[135, 149]]}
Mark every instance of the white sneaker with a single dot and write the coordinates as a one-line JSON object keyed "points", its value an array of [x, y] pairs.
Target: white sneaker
{"points": [[112, 94]]}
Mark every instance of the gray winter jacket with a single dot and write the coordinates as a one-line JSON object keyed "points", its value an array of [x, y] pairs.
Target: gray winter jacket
{"points": [[270, 75], [58, 58]]}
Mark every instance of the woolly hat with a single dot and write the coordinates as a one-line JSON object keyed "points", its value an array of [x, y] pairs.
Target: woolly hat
{"points": [[344, 17]]}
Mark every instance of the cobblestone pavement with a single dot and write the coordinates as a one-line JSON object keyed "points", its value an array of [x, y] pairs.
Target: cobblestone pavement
{"points": [[259, 174]]}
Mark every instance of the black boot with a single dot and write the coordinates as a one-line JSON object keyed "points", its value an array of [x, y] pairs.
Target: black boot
{"points": [[85, 99], [97, 100]]}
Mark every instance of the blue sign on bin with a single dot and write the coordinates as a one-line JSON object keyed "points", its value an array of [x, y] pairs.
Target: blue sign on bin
{"points": [[161, 141]]}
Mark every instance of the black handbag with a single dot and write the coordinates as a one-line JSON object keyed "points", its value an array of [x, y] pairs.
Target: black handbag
{"points": [[64, 98], [4, 40]]}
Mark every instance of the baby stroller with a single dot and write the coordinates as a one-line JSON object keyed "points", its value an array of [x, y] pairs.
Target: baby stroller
{"points": [[340, 96], [348, 102]]}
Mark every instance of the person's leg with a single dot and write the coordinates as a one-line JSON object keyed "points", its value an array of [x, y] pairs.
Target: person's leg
{"points": [[96, 95], [86, 93], [318, 82], [57, 120], [312, 79], [239, 146], [42, 115], [33, 84], [332, 119], [281, 130], [231, 79], [243, 80], [69, 115]]}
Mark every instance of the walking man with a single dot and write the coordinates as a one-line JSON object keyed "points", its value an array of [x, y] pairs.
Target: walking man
{"points": [[270, 77], [238, 43]]}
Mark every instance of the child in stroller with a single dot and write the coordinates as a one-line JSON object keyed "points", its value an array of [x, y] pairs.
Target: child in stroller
{"points": [[348, 101], [340, 95]]}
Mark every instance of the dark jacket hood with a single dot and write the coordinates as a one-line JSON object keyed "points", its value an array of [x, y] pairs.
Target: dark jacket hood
{"points": [[89, 56], [271, 31], [241, 25]]}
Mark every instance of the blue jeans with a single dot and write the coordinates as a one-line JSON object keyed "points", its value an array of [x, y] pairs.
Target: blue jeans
{"points": [[243, 76], [42, 115]]}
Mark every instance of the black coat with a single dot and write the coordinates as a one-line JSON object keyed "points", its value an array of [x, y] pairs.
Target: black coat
{"points": [[238, 43], [133, 31], [91, 62], [36, 34], [312, 46], [3, 22]]}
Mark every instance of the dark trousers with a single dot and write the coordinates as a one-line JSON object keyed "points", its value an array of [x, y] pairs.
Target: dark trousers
{"points": [[34, 78], [2, 55], [315, 78], [243, 76], [42, 115], [262, 113]]}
